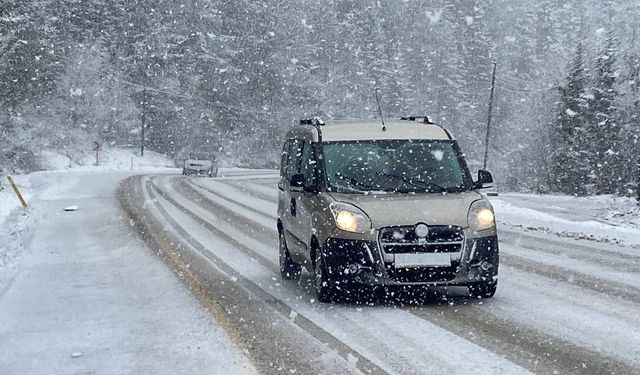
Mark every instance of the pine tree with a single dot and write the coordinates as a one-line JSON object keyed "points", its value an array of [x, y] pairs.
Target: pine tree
{"points": [[603, 128], [29, 65], [631, 119], [569, 165], [29, 61]]}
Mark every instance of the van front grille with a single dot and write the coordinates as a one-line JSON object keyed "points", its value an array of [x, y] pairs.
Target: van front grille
{"points": [[403, 240]]}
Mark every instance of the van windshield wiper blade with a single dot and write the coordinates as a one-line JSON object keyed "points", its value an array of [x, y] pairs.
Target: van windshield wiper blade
{"points": [[353, 181], [417, 183]]}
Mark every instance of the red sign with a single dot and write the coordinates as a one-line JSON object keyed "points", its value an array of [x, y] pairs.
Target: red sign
{"points": [[96, 146]]}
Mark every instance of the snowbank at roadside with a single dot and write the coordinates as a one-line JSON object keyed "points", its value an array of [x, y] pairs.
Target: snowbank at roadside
{"points": [[8, 200], [606, 218], [109, 159], [14, 224], [15, 221]]}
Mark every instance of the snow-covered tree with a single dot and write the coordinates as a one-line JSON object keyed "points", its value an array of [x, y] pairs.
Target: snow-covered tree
{"points": [[603, 132], [569, 159]]}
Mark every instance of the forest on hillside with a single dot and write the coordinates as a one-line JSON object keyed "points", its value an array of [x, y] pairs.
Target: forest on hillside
{"points": [[232, 76]]}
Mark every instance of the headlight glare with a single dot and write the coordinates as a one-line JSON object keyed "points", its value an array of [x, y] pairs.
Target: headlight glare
{"points": [[481, 216], [350, 218]]}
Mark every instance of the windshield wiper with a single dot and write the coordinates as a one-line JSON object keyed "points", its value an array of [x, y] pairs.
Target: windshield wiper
{"points": [[417, 183], [353, 181]]}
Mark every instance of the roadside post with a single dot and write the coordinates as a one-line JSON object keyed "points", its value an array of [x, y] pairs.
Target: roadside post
{"points": [[18, 194], [491, 96], [96, 148]]}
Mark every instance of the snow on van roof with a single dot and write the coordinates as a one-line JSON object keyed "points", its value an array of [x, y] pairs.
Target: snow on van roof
{"points": [[355, 130]]}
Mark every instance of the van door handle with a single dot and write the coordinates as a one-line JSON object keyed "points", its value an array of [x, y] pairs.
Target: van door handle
{"points": [[293, 207]]}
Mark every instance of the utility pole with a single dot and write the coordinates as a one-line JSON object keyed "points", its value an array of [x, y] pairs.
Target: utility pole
{"points": [[486, 140], [144, 110], [635, 75], [144, 101]]}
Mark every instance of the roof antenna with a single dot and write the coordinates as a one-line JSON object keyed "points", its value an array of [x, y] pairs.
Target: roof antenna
{"points": [[384, 128]]}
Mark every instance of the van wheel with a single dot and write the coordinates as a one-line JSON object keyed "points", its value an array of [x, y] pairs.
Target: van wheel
{"points": [[483, 289], [324, 290], [289, 270]]}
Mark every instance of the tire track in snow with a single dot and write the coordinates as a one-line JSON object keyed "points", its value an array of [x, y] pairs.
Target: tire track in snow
{"points": [[347, 353], [537, 351], [612, 258], [549, 350], [186, 191], [246, 205], [245, 173], [246, 188], [570, 276]]}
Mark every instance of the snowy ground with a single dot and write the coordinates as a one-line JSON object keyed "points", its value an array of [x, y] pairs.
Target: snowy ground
{"points": [[564, 305], [108, 160], [14, 226], [568, 300], [81, 293], [15, 222], [606, 219]]}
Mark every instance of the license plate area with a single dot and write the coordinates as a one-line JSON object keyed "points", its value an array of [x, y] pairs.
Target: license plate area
{"points": [[422, 260]]}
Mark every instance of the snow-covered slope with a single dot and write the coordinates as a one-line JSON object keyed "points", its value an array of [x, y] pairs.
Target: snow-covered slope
{"points": [[606, 218], [14, 225], [108, 159], [15, 221]]}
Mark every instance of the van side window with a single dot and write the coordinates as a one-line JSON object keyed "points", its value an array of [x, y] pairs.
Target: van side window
{"points": [[294, 158], [284, 158], [308, 168]]}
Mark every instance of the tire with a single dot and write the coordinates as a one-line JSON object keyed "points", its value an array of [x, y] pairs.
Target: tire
{"points": [[324, 290], [483, 289], [289, 270]]}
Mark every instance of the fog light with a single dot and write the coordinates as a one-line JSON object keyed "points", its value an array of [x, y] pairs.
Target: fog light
{"points": [[486, 266]]}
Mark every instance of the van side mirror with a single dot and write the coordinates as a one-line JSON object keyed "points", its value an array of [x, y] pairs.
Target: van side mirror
{"points": [[297, 182], [484, 177]]}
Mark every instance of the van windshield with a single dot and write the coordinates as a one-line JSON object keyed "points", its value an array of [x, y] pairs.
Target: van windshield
{"points": [[394, 166], [200, 156]]}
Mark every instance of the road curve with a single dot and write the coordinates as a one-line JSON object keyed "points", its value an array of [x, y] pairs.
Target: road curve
{"points": [[548, 317]]}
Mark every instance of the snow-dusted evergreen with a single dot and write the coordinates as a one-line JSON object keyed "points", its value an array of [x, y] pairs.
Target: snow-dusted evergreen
{"points": [[569, 158], [230, 76]]}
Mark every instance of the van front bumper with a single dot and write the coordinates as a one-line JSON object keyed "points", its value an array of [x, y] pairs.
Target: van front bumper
{"points": [[358, 262], [196, 170]]}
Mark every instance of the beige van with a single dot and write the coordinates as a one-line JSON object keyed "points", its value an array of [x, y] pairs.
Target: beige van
{"points": [[360, 203]]}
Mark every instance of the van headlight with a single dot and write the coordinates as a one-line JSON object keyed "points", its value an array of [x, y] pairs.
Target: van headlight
{"points": [[350, 218], [481, 216]]}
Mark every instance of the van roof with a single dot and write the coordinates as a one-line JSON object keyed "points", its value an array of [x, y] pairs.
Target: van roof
{"points": [[362, 130]]}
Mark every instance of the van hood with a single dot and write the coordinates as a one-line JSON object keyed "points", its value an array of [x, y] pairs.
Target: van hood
{"points": [[387, 210]]}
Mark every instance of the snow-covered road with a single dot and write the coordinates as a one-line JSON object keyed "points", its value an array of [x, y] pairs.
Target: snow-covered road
{"points": [[89, 297], [563, 305]]}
